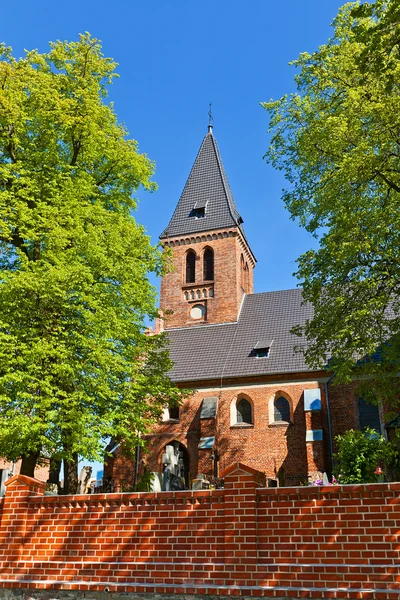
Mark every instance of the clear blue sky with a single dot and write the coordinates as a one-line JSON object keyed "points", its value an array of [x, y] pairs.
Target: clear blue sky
{"points": [[174, 58]]}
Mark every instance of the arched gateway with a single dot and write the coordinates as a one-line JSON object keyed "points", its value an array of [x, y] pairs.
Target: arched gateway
{"points": [[175, 466]]}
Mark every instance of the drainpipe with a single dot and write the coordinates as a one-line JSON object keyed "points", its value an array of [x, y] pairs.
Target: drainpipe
{"points": [[136, 474], [329, 419]]}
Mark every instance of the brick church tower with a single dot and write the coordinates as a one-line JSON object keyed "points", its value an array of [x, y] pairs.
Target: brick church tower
{"points": [[212, 260]]}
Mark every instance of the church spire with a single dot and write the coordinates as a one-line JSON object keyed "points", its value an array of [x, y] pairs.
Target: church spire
{"points": [[206, 202], [212, 260]]}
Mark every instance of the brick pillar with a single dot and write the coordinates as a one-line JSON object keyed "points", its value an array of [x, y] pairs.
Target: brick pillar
{"points": [[240, 511], [14, 516]]}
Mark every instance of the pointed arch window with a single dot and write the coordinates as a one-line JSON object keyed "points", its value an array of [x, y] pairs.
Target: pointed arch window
{"points": [[190, 267], [243, 411], [281, 410], [208, 265]]}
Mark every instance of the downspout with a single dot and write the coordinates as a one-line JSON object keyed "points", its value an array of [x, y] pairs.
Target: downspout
{"points": [[329, 419]]}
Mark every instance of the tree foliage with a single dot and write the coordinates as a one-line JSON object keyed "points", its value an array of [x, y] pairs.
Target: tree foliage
{"points": [[360, 453], [337, 140], [75, 365]]}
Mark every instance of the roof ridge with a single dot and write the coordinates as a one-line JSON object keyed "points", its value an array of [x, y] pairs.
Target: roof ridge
{"points": [[225, 182], [296, 289]]}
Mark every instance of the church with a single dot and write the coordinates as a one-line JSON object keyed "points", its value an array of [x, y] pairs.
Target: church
{"points": [[254, 399]]}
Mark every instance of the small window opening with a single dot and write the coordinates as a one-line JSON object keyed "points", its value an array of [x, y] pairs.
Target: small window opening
{"points": [[261, 352], [208, 265], [199, 213], [190, 267], [281, 410], [174, 412], [243, 412], [262, 348]]}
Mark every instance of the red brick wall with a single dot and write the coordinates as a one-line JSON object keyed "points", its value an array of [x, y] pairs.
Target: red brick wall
{"points": [[331, 542]]}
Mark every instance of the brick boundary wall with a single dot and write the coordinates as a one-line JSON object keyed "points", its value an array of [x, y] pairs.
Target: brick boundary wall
{"points": [[244, 540]]}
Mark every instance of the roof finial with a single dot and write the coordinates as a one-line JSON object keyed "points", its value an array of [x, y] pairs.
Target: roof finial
{"points": [[210, 120]]}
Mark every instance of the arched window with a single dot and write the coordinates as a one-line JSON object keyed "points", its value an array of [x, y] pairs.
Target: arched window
{"points": [[243, 411], [281, 409], [242, 271], [208, 265], [246, 278], [190, 267]]}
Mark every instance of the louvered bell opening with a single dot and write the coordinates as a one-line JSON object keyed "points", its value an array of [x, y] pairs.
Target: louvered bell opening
{"points": [[208, 265], [190, 267]]}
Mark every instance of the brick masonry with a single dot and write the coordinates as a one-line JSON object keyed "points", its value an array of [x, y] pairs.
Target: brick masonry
{"points": [[279, 450], [41, 470], [244, 540], [229, 281]]}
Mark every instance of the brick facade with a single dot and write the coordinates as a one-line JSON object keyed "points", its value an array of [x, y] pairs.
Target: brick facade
{"points": [[279, 450], [222, 297], [41, 470], [328, 542]]}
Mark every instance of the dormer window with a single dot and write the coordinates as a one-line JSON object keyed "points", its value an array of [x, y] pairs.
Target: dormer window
{"points": [[199, 213], [199, 209], [262, 352], [262, 349]]}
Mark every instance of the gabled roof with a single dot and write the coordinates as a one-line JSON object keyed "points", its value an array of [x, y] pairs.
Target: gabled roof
{"points": [[207, 188], [227, 350]]}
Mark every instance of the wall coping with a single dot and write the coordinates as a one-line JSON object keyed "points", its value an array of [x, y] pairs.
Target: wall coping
{"points": [[240, 467], [30, 482], [329, 489]]}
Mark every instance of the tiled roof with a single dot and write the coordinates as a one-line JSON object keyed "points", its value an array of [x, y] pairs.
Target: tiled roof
{"points": [[225, 351], [207, 186]]}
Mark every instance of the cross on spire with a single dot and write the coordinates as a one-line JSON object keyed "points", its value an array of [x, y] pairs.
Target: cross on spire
{"points": [[210, 119]]}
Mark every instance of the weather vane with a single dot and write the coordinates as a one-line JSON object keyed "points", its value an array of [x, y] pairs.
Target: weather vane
{"points": [[210, 117]]}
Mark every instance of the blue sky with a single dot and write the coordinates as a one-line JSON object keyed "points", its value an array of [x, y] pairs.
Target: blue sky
{"points": [[174, 58]]}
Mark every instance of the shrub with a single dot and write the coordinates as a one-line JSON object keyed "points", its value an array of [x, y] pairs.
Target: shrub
{"points": [[360, 453]]}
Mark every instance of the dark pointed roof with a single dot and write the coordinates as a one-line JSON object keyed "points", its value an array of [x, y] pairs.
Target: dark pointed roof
{"points": [[207, 187]]}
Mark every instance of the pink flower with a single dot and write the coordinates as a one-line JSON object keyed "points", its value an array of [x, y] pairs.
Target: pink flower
{"points": [[378, 471]]}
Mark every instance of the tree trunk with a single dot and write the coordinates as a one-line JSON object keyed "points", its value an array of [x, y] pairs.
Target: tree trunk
{"points": [[54, 473], [28, 464], [71, 475]]}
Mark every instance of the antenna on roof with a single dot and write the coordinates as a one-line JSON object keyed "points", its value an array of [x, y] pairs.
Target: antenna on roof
{"points": [[210, 120]]}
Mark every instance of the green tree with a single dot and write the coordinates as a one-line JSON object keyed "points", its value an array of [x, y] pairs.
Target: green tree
{"points": [[75, 365], [337, 140]]}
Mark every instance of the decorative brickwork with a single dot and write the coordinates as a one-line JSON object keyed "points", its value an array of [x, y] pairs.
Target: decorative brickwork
{"points": [[221, 297], [328, 542]]}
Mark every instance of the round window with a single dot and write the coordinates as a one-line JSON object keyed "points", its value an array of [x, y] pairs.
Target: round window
{"points": [[198, 311]]}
